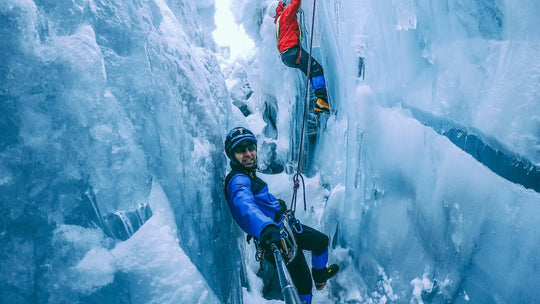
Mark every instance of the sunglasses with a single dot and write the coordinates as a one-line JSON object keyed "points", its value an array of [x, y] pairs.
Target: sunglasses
{"points": [[242, 148]]}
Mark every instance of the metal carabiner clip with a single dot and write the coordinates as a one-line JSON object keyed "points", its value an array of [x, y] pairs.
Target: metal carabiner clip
{"points": [[297, 226]]}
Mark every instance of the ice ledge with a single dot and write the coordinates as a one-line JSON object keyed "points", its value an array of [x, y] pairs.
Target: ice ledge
{"points": [[488, 151]]}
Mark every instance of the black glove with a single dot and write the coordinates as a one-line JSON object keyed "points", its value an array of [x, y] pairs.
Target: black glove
{"points": [[282, 206], [269, 235]]}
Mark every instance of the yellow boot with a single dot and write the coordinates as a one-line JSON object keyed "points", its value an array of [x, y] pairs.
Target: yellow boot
{"points": [[322, 106]]}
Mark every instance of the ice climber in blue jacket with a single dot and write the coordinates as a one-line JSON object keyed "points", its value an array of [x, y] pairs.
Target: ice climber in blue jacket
{"points": [[259, 213]]}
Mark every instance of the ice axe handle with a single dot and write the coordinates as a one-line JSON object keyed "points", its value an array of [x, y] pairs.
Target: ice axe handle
{"points": [[289, 291]]}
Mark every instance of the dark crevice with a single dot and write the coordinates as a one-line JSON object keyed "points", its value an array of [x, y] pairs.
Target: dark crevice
{"points": [[119, 225], [487, 150], [270, 116], [241, 92]]}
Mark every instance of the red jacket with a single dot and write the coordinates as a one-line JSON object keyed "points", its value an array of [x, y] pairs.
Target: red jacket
{"points": [[288, 31]]}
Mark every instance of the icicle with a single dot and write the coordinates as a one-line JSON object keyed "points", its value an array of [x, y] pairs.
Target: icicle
{"points": [[89, 193], [127, 223]]}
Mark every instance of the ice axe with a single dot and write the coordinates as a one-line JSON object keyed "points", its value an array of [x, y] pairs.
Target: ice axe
{"points": [[289, 291]]}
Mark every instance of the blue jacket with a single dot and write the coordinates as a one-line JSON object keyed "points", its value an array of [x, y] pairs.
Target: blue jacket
{"points": [[251, 205]]}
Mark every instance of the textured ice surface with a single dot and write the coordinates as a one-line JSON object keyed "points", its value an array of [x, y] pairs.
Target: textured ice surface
{"points": [[118, 104]]}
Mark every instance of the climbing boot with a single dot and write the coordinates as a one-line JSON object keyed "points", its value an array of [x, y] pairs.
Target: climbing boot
{"points": [[321, 275], [322, 106]]}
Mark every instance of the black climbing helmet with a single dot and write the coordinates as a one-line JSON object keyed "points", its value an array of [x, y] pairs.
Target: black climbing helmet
{"points": [[236, 136]]}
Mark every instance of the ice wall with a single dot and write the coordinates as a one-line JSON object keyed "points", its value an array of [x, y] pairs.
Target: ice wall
{"points": [[120, 103], [100, 99], [415, 210]]}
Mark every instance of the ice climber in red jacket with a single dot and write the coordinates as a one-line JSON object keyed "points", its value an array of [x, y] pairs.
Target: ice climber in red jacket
{"points": [[292, 53]]}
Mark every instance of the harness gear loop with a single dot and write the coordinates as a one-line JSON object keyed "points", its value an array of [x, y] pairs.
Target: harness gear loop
{"points": [[287, 229]]}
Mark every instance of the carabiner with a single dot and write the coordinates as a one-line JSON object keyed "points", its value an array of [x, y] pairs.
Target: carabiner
{"points": [[298, 227]]}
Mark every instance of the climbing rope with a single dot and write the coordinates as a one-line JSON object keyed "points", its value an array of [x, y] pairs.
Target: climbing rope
{"points": [[295, 188], [298, 173]]}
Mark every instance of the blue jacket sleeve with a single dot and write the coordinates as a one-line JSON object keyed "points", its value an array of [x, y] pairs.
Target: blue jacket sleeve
{"points": [[243, 208]]}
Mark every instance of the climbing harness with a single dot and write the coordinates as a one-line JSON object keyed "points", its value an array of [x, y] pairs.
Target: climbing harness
{"points": [[289, 226], [288, 240]]}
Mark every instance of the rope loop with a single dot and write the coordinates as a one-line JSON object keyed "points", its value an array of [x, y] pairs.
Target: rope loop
{"points": [[297, 178], [296, 181]]}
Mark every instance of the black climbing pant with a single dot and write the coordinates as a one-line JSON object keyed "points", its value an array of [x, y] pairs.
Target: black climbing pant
{"points": [[314, 241], [297, 57]]}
